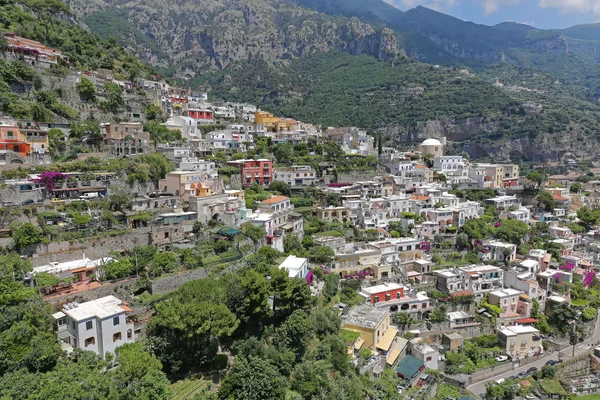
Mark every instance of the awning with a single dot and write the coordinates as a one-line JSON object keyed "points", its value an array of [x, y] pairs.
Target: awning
{"points": [[393, 356], [359, 343], [386, 341]]}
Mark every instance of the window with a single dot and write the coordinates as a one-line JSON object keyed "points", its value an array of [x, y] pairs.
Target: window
{"points": [[129, 334], [117, 336], [74, 325], [89, 325], [428, 359], [9, 133], [90, 341], [116, 321]]}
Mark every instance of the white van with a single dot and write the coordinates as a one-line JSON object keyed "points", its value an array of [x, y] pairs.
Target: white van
{"points": [[88, 196]]}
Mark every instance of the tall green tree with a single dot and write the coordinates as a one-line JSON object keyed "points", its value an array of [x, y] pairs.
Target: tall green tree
{"points": [[252, 379], [47, 11]]}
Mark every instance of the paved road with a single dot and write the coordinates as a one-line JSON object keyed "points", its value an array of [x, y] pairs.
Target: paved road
{"points": [[479, 387]]}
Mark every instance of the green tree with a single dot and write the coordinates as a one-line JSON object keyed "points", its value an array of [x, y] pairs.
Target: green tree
{"points": [[25, 234], [546, 200], [252, 379], [281, 187], [254, 233], [118, 269], [476, 229], [576, 187], [512, 231], [139, 375], [120, 199], [153, 112], [327, 322], [186, 329], [535, 177], [321, 254], [114, 97], [47, 11], [86, 89], [56, 142], [295, 333], [163, 263]]}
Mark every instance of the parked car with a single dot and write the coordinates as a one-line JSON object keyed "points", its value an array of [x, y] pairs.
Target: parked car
{"points": [[531, 371], [552, 362], [521, 374], [8, 203], [501, 358], [57, 200], [501, 380], [28, 201]]}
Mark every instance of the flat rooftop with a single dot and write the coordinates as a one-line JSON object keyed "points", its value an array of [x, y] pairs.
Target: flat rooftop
{"points": [[366, 316], [382, 288], [102, 308]]}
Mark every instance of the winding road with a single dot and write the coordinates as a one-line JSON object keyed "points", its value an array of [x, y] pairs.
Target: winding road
{"points": [[479, 387]]}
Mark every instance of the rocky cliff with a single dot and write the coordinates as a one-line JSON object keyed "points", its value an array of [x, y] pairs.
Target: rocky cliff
{"points": [[201, 35]]}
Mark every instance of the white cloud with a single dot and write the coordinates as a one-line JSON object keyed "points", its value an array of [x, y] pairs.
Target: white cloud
{"points": [[491, 6], [567, 6], [438, 5]]}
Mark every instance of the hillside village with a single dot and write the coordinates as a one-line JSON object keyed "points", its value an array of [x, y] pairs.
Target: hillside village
{"points": [[441, 277]]}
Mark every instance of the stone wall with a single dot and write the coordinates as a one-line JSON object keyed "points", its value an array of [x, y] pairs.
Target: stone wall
{"points": [[43, 254], [171, 283], [484, 374]]}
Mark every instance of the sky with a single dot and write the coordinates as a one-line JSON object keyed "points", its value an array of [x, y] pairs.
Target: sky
{"points": [[545, 14]]}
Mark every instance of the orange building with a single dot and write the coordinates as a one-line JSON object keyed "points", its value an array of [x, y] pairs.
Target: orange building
{"points": [[11, 138], [269, 121], [34, 50]]}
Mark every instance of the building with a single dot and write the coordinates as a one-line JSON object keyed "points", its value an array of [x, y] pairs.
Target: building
{"points": [[125, 138], [254, 171], [452, 340], [383, 293], [432, 147], [409, 369], [269, 121], [196, 164], [12, 139], [461, 320], [371, 323], [420, 349], [299, 175], [498, 251], [470, 280], [190, 183], [99, 325], [507, 299], [504, 202], [201, 116], [448, 164], [34, 52], [296, 267], [520, 341]]}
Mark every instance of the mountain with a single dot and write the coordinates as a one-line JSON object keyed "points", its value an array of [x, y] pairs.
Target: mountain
{"points": [[534, 95]]}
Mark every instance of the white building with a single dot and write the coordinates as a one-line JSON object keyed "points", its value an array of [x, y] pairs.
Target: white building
{"points": [[448, 164], [498, 251], [298, 175], [296, 267], [98, 325], [423, 351], [196, 164]]}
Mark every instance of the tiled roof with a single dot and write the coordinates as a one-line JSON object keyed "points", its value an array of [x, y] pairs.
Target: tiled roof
{"points": [[275, 199]]}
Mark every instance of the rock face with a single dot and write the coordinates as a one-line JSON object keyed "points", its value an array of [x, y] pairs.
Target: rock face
{"points": [[203, 35]]}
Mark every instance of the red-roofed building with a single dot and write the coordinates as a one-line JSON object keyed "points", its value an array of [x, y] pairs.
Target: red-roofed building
{"points": [[254, 171]]}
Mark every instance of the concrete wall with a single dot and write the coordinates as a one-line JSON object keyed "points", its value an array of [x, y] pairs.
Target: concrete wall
{"points": [[43, 254], [169, 284]]}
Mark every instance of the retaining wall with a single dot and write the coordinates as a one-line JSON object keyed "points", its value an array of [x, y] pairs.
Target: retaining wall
{"points": [[170, 283], [43, 254]]}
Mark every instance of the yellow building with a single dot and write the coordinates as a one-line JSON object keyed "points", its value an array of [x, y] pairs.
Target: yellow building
{"points": [[269, 121], [520, 341], [373, 325], [333, 214]]}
